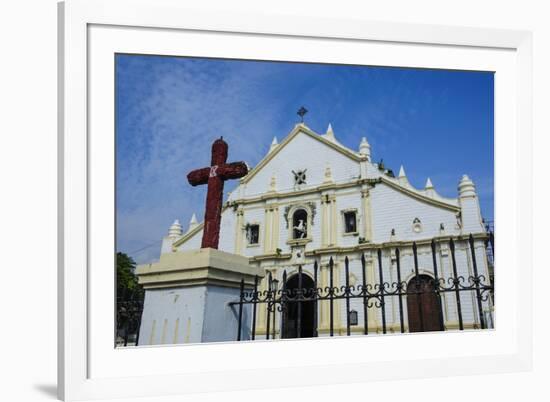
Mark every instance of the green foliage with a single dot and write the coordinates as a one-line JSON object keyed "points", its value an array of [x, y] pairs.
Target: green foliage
{"points": [[126, 279]]}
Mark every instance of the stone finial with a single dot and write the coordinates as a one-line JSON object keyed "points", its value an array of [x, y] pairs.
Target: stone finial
{"points": [[466, 187], [429, 184], [402, 177], [330, 133], [175, 230], [364, 148], [429, 188], [328, 174], [193, 222], [274, 144], [401, 172]]}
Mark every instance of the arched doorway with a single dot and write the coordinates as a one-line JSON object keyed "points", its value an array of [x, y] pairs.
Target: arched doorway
{"points": [[290, 313], [423, 309]]}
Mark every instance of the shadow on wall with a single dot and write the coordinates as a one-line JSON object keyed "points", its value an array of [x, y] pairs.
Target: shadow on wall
{"points": [[47, 389]]}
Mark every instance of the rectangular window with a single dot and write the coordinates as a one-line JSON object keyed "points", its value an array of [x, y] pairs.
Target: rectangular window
{"points": [[253, 234], [350, 221]]}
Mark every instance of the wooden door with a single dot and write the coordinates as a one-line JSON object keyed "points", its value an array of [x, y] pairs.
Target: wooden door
{"points": [[424, 307]]}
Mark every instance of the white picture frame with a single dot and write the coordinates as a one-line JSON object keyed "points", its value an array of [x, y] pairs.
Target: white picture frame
{"points": [[88, 369]]}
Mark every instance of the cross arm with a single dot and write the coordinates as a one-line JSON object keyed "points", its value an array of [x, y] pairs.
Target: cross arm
{"points": [[233, 170], [199, 176]]}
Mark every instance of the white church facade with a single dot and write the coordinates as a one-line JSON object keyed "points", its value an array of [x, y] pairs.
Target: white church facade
{"points": [[311, 199]]}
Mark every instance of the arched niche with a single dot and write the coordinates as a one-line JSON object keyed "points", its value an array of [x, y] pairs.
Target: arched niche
{"points": [[300, 221]]}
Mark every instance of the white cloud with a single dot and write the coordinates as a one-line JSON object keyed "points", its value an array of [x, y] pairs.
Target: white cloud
{"points": [[174, 125]]}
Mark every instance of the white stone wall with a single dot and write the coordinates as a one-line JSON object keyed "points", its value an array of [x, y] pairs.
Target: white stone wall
{"points": [[191, 315], [254, 214], [193, 243], [392, 209], [348, 200], [172, 316], [303, 153], [227, 231], [471, 215]]}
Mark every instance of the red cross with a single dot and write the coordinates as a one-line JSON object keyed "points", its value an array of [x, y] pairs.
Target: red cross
{"points": [[215, 175]]}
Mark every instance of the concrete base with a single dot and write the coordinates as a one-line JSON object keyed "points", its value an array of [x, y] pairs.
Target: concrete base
{"points": [[187, 296], [206, 266]]}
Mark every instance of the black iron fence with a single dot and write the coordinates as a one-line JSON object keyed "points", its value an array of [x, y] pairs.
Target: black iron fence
{"points": [[422, 295], [129, 308]]}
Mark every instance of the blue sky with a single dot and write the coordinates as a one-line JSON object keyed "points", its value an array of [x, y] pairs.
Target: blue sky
{"points": [[437, 123]]}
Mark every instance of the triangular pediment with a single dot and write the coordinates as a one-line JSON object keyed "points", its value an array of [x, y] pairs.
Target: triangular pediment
{"points": [[300, 129]]}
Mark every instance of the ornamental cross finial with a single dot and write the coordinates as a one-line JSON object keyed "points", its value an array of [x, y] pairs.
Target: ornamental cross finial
{"points": [[215, 176], [302, 112]]}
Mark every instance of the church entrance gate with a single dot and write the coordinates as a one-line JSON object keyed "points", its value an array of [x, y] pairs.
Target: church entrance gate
{"points": [[299, 296]]}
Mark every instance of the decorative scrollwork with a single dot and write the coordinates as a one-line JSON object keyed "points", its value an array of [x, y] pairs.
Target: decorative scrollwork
{"points": [[485, 293], [377, 295], [374, 302]]}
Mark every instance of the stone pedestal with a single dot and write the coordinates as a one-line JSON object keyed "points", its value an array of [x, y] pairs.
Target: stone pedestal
{"points": [[187, 296]]}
